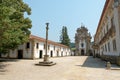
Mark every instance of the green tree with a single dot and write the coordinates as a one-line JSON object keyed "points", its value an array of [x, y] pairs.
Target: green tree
{"points": [[14, 27], [64, 38]]}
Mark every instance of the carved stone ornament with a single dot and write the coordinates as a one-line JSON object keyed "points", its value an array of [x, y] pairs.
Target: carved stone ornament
{"points": [[116, 3]]}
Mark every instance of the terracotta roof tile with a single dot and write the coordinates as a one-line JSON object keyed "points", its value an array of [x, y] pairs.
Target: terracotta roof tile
{"points": [[33, 37]]}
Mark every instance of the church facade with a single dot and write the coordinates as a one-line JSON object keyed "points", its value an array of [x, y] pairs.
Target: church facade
{"points": [[82, 41]]}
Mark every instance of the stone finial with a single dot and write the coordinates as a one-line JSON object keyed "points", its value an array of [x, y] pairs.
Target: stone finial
{"points": [[108, 65]]}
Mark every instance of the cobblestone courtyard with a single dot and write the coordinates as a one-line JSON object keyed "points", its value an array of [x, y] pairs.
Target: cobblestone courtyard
{"points": [[67, 68]]}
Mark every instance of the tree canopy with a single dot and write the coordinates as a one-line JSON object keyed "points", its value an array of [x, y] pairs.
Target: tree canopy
{"points": [[64, 38], [14, 27]]}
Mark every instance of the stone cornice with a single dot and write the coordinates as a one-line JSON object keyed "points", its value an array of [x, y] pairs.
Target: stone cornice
{"points": [[107, 3], [110, 33]]}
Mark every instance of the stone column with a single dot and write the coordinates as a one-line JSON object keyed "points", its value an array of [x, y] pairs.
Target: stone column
{"points": [[46, 56]]}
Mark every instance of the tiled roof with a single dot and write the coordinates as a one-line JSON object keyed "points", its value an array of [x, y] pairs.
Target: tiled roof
{"points": [[33, 37]]}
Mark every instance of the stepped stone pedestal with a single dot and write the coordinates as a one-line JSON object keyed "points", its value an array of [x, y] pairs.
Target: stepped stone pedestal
{"points": [[46, 62]]}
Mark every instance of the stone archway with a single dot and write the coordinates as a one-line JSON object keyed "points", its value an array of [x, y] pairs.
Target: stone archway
{"points": [[82, 52]]}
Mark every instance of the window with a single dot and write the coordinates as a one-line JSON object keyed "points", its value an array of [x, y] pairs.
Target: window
{"points": [[101, 48], [108, 46], [104, 31], [44, 46], [105, 48], [48, 47], [27, 45], [114, 45], [107, 28], [37, 45], [54, 47], [112, 22], [82, 45]]}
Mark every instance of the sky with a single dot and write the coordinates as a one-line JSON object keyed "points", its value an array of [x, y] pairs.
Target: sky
{"points": [[59, 13]]}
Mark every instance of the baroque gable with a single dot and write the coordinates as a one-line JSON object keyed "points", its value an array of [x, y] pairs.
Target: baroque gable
{"points": [[82, 41]]}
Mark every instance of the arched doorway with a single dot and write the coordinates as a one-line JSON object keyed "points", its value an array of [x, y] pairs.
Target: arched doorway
{"points": [[82, 52], [51, 54]]}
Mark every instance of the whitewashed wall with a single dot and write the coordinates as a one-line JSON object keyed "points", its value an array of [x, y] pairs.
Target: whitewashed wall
{"points": [[34, 52]]}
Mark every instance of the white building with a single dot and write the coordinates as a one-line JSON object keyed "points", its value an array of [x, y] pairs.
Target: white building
{"points": [[107, 37], [35, 48]]}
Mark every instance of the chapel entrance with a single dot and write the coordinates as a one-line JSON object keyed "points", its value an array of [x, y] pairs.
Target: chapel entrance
{"points": [[20, 54], [82, 52]]}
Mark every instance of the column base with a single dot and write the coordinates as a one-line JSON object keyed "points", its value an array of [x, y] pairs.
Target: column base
{"points": [[46, 62]]}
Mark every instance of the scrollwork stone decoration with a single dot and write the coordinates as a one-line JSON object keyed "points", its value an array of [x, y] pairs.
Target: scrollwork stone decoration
{"points": [[116, 3]]}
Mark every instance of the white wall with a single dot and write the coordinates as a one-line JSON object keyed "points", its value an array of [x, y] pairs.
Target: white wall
{"points": [[33, 51]]}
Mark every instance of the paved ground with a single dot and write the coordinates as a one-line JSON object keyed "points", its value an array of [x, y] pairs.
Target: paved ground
{"points": [[67, 68]]}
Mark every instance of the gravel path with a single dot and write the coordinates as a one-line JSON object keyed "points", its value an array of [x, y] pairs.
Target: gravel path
{"points": [[67, 68]]}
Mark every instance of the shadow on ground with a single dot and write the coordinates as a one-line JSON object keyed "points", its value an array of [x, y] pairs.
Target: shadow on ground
{"points": [[3, 68], [4, 63], [8, 60], [93, 63]]}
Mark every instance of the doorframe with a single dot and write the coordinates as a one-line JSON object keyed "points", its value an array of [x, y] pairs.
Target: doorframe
{"points": [[82, 52], [40, 53], [51, 53], [20, 54]]}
